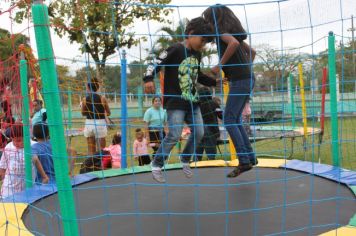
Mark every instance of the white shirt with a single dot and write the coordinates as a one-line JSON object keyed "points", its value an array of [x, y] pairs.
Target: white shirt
{"points": [[13, 162]]}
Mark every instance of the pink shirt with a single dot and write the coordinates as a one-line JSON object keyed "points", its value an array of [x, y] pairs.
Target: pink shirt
{"points": [[140, 148], [115, 152]]}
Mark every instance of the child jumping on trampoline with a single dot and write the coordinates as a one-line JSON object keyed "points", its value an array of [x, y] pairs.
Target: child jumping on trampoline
{"points": [[182, 72], [236, 58]]}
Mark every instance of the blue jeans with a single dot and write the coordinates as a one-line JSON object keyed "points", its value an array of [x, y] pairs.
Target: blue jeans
{"points": [[176, 119], [239, 92]]}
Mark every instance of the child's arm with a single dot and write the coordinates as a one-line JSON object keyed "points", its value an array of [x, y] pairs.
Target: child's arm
{"points": [[135, 149], [232, 45], [152, 70], [83, 107], [2, 173], [250, 51], [40, 170], [106, 106]]}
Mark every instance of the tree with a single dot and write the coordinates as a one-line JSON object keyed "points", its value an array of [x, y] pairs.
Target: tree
{"points": [[274, 65], [99, 26]]}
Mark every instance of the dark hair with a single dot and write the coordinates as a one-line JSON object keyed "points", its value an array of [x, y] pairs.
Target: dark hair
{"points": [[138, 130], [40, 131], [38, 101], [224, 20], [16, 130], [116, 139], [8, 119], [93, 85], [200, 27], [155, 97]]}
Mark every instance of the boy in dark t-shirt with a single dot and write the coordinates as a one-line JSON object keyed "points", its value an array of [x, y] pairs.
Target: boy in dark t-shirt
{"points": [[181, 62]]}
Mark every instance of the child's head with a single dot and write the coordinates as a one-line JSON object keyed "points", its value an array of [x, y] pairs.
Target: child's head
{"points": [[139, 134], [156, 102], [37, 104], [217, 100], [7, 122], [116, 139], [40, 131], [198, 32], [224, 20], [93, 85], [16, 135]]}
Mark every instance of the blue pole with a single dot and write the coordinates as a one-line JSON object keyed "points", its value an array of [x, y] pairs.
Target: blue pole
{"points": [[123, 111]]}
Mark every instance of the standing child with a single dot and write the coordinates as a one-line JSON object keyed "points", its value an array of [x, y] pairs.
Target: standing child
{"points": [[140, 149], [42, 150], [12, 164], [246, 117], [210, 113], [236, 58], [115, 151], [182, 72]]}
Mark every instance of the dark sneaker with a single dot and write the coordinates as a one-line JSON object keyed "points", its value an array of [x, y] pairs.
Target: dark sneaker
{"points": [[158, 175], [254, 161], [239, 170], [187, 170]]}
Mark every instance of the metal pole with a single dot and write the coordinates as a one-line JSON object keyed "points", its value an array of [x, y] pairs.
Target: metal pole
{"points": [[123, 110]]}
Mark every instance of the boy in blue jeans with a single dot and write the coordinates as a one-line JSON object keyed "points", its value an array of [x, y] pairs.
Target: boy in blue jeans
{"points": [[181, 99]]}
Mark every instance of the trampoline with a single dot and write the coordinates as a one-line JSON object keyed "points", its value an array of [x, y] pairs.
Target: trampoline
{"points": [[264, 201], [262, 133]]}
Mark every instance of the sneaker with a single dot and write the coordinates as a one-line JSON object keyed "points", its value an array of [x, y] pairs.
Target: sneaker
{"points": [[254, 161], [187, 170], [158, 175], [239, 170]]}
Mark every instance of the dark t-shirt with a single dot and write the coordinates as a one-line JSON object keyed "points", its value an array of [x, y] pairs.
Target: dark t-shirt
{"points": [[94, 107], [238, 67], [181, 73]]}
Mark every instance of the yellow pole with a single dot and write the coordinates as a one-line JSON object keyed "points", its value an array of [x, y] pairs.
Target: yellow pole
{"points": [[226, 92], [302, 94]]}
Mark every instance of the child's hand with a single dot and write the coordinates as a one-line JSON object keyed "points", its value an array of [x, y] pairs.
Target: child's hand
{"points": [[216, 70], [45, 180]]}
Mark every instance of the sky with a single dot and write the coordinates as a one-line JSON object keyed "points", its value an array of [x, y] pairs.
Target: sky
{"points": [[299, 24]]}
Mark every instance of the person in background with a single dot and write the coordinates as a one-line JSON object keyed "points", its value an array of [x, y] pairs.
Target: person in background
{"points": [[140, 149], [96, 109], [156, 120], [115, 151], [42, 149], [12, 164], [209, 111], [39, 114]]}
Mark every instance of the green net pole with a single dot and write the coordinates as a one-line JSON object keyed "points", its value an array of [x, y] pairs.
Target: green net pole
{"points": [[291, 86], [333, 100], [70, 108], [54, 113], [26, 123]]}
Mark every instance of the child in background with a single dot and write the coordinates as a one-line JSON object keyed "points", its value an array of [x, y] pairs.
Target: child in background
{"points": [[115, 151], [140, 149], [210, 111], [12, 164], [246, 117], [42, 150]]}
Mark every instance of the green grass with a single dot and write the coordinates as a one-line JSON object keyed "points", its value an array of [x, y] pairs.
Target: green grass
{"points": [[280, 147]]}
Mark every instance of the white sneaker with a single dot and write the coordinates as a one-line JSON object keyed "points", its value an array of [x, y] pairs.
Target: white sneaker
{"points": [[157, 174], [187, 170]]}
